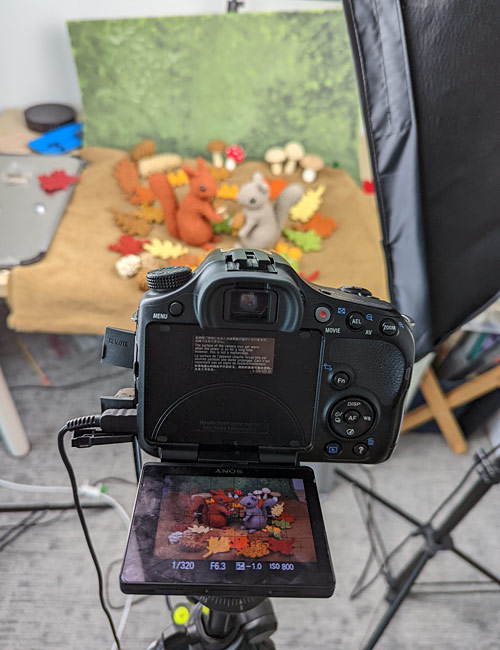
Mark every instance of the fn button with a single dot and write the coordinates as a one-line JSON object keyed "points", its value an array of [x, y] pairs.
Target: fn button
{"points": [[341, 380]]}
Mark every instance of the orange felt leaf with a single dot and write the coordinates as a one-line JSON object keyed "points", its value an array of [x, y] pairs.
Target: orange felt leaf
{"points": [[256, 548], [276, 186], [127, 175], [143, 196], [218, 545], [289, 518], [323, 226], [151, 213], [283, 546], [239, 543], [130, 224]]}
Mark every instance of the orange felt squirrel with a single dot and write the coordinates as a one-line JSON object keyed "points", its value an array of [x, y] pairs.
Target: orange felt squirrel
{"points": [[191, 221]]}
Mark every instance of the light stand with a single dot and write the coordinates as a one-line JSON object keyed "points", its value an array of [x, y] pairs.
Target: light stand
{"points": [[434, 539]]}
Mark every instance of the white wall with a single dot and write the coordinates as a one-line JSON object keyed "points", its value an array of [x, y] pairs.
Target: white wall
{"points": [[36, 62]]}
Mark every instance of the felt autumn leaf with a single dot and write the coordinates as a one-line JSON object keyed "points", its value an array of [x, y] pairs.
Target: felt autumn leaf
{"points": [[289, 518], [227, 191], [57, 180], [220, 173], [165, 249], [130, 224], [293, 252], [324, 226], [195, 528], [283, 546], [239, 543], [218, 545], [281, 523], [277, 509], [222, 228], [308, 204], [307, 241], [276, 186], [257, 548], [151, 213], [128, 245], [178, 178], [127, 175], [143, 196]]}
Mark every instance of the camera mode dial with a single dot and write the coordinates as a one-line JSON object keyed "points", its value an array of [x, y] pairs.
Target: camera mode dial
{"points": [[168, 278]]}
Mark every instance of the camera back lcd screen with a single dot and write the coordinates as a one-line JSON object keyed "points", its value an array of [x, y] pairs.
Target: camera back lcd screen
{"points": [[229, 386], [202, 530]]}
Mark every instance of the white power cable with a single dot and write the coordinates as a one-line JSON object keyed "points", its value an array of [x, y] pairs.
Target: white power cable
{"points": [[92, 492]]}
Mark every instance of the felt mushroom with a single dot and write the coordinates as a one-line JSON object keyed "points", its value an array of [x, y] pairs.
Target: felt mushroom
{"points": [[294, 153], [275, 157], [216, 148], [311, 165], [266, 491], [234, 155]]}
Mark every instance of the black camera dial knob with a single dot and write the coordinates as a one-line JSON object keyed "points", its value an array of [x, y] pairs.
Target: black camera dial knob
{"points": [[168, 278]]}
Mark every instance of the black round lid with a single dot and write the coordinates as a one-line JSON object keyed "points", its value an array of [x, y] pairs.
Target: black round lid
{"points": [[168, 278], [44, 117]]}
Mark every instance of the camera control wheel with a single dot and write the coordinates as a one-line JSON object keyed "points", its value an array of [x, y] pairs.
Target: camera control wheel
{"points": [[351, 417], [168, 278]]}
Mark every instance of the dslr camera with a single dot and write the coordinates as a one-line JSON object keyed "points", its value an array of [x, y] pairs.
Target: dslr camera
{"points": [[243, 370]]}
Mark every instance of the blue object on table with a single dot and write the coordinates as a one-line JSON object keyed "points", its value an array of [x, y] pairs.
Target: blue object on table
{"points": [[60, 140]]}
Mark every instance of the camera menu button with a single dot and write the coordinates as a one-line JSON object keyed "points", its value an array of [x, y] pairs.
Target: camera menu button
{"points": [[176, 308]]}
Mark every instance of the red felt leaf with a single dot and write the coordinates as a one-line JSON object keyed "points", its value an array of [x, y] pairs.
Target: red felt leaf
{"points": [[128, 245], [239, 543], [58, 180], [289, 518], [283, 546]]}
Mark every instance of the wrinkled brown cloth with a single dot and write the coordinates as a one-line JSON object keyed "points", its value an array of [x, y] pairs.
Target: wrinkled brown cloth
{"points": [[75, 289]]}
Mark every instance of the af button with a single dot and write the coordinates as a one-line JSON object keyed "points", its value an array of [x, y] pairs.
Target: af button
{"points": [[351, 417]]}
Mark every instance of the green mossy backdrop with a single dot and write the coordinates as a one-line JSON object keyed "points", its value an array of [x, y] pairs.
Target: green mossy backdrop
{"points": [[253, 79]]}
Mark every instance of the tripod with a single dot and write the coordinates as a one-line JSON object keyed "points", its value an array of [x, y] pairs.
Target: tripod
{"points": [[229, 624], [434, 539]]}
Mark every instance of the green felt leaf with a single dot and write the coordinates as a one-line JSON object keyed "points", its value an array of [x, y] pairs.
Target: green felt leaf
{"points": [[308, 240]]}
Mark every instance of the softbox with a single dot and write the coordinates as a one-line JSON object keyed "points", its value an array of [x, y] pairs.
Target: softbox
{"points": [[428, 74]]}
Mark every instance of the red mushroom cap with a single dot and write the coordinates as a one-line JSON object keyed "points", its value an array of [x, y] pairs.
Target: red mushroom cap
{"points": [[235, 152]]}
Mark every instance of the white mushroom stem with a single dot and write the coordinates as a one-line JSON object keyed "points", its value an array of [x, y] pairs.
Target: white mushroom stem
{"points": [[309, 175], [276, 168], [230, 164], [217, 159], [290, 167]]}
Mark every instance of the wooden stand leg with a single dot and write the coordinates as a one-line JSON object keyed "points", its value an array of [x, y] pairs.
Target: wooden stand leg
{"points": [[441, 412]]}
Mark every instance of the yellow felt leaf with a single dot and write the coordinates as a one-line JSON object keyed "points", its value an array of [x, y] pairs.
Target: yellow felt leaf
{"points": [[227, 191], [277, 509], [218, 545], [165, 250], [178, 178], [308, 205], [151, 213]]}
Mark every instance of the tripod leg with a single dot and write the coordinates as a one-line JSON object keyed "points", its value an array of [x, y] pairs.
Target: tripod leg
{"points": [[477, 566], [398, 599]]}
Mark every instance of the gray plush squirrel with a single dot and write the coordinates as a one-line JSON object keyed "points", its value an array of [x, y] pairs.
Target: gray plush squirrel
{"points": [[256, 517], [263, 221]]}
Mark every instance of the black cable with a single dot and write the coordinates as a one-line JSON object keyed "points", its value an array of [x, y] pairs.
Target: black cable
{"points": [[76, 384], [81, 423], [25, 524]]}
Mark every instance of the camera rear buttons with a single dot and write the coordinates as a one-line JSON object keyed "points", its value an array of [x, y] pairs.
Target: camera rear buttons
{"points": [[176, 308], [322, 314], [351, 417], [355, 320], [388, 327], [333, 449], [341, 380], [360, 449]]}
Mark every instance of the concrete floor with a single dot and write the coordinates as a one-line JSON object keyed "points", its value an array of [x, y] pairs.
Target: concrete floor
{"points": [[48, 592]]}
